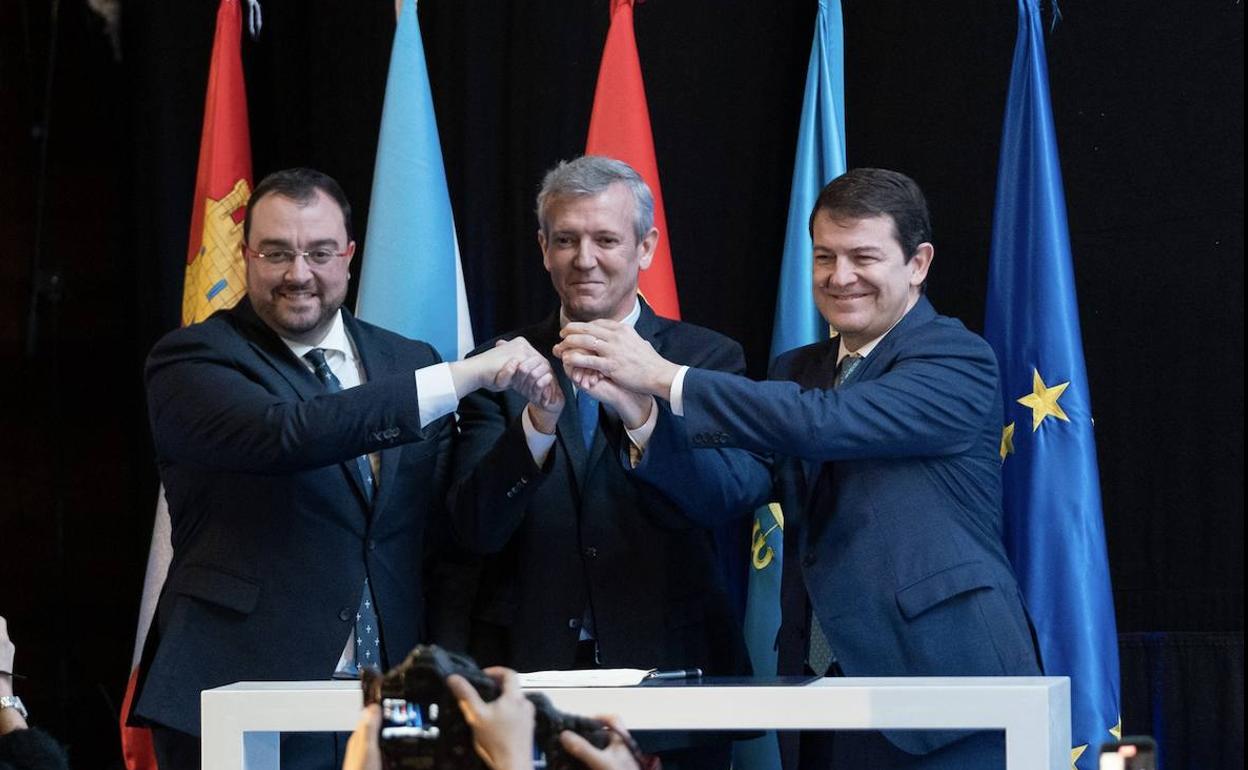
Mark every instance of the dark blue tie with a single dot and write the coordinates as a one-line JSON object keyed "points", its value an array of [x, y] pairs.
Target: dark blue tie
{"points": [[846, 370], [587, 408], [316, 357], [367, 632]]}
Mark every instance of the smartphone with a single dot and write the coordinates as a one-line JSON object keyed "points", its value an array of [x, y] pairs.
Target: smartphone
{"points": [[1136, 752]]}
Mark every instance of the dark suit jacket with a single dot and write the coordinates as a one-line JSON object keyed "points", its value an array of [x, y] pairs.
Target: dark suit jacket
{"points": [[272, 533], [893, 531], [582, 530]]}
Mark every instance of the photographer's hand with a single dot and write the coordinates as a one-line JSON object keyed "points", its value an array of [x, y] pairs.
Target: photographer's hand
{"points": [[618, 755], [10, 720], [362, 750], [502, 729]]}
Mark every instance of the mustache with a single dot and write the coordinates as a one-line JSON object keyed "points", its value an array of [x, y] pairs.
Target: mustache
{"points": [[288, 286]]}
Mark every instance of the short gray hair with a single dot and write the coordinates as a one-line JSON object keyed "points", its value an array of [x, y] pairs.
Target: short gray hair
{"points": [[590, 175]]}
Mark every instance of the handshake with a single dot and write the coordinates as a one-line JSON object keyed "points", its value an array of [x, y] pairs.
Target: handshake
{"points": [[607, 359]]}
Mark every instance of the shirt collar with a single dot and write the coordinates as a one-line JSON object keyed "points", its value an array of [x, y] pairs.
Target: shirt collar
{"points": [[630, 319], [865, 350], [335, 340]]}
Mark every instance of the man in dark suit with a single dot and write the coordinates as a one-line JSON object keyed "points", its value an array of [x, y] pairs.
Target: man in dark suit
{"points": [[304, 456], [895, 564], [585, 564]]}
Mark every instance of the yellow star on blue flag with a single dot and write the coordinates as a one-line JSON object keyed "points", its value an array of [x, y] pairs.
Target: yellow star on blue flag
{"points": [[1054, 533], [1043, 401]]}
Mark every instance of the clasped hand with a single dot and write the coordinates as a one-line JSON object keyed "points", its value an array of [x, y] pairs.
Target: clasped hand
{"points": [[610, 360]]}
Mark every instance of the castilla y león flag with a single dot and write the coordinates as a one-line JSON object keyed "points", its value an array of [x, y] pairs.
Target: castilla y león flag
{"points": [[214, 261], [215, 279]]}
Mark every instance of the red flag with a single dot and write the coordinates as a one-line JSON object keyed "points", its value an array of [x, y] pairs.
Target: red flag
{"points": [[215, 276], [215, 279], [620, 128]]}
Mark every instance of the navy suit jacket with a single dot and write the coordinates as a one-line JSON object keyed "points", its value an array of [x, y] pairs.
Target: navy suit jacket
{"points": [[892, 502], [584, 530], [272, 533]]}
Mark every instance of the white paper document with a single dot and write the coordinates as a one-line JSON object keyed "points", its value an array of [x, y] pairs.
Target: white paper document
{"points": [[597, 677]]}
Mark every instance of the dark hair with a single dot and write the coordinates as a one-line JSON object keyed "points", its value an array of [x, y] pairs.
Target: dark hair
{"points": [[871, 192], [300, 185]]}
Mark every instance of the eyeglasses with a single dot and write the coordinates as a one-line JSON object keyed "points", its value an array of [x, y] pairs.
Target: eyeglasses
{"points": [[286, 256]]}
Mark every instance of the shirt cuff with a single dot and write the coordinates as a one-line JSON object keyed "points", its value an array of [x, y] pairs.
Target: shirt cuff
{"points": [[539, 443], [677, 399], [435, 392], [640, 436]]}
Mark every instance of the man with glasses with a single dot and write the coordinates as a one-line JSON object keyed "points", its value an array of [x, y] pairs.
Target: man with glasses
{"points": [[303, 455]]}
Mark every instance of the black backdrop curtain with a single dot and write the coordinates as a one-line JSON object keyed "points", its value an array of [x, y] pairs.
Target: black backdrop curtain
{"points": [[1148, 100]]}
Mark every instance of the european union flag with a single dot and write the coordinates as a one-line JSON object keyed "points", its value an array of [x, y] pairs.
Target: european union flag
{"points": [[820, 159], [1054, 531], [413, 283]]}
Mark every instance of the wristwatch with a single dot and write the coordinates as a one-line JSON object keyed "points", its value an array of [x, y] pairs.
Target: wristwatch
{"points": [[13, 702]]}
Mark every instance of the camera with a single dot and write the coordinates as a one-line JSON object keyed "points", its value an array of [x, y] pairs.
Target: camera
{"points": [[422, 727]]}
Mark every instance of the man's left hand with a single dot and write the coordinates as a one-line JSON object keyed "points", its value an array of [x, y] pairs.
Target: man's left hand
{"points": [[596, 349]]}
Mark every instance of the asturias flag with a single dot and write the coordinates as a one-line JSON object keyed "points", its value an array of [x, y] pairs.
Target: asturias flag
{"points": [[820, 159], [412, 281], [215, 279], [1054, 530], [619, 128]]}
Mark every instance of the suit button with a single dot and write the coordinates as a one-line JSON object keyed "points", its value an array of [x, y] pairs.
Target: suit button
{"points": [[808, 560], [345, 614], [372, 544], [574, 623], [591, 552]]}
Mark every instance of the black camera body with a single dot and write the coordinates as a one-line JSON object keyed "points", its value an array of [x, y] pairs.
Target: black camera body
{"points": [[422, 727]]}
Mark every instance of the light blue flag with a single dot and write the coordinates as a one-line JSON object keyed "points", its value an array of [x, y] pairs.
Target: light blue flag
{"points": [[1054, 531], [412, 282], [820, 159]]}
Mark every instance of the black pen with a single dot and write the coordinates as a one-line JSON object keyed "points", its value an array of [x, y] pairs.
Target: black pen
{"points": [[676, 673]]}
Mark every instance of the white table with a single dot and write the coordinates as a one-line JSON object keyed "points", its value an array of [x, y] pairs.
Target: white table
{"points": [[240, 721]]}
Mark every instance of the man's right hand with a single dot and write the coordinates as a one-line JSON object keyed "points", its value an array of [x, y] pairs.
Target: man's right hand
{"points": [[511, 364], [534, 379]]}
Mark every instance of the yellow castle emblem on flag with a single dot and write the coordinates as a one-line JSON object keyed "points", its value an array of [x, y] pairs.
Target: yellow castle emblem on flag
{"points": [[216, 277]]}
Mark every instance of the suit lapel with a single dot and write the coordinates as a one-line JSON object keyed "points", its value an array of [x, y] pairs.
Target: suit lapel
{"points": [[647, 326], [378, 360], [265, 342], [274, 352], [568, 430], [882, 357], [820, 372]]}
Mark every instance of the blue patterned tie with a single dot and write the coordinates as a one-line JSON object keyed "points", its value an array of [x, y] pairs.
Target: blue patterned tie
{"points": [[820, 654], [316, 357], [587, 408], [367, 631], [846, 370]]}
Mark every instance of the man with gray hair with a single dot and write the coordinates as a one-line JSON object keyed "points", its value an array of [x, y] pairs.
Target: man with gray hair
{"points": [[584, 561]]}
